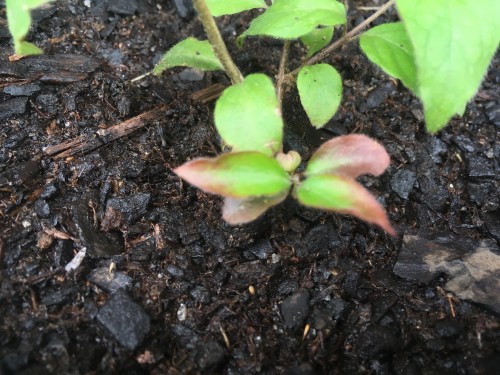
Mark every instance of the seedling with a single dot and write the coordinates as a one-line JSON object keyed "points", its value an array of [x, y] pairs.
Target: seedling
{"points": [[19, 19], [256, 174]]}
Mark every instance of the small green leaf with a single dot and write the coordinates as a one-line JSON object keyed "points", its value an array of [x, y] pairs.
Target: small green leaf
{"points": [[453, 43], [223, 7], [289, 161], [27, 49], [291, 19], [342, 194], [240, 211], [317, 39], [19, 19], [389, 47], [349, 155], [236, 175], [189, 52], [320, 91], [248, 116]]}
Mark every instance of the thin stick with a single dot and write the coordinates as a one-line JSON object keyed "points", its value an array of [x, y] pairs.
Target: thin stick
{"points": [[282, 70], [351, 35], [217, 42]]}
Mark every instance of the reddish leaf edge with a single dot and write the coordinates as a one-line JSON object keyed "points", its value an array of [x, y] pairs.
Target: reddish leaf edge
{"points": [[378, 216], [193, 174], [242, 211], [351, 155]]}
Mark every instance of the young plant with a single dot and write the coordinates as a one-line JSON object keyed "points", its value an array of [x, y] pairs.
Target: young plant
{"points": [[257, 175], [19, 19], [433, 51]]}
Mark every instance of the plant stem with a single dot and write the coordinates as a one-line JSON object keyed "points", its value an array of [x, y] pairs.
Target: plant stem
{"points": [[217, 42], [351, 35], [281, 70]]}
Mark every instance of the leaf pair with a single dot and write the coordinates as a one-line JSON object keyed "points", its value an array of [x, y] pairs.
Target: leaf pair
{"points": [[440, 51], [252, 182]]}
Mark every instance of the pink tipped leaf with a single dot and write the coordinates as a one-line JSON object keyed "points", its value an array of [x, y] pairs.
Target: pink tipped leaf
{"points": [[349, 155], [342, 194], [240, 211], [236, 175]]}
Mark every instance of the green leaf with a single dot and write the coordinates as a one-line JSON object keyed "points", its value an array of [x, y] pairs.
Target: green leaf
{"points": [[189, 52], [223, 7], [320, 91], [289, 161], [317, 39], [342, 194], [248, 116], [27, 49], [19, 19], [291, 19], [349, 155], [240, 211], [236, 175], [453, 43], [389, 47]]}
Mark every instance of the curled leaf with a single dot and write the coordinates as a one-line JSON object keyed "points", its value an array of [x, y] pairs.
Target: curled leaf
{"points": [[344, 195], [236, 175], [349, 155], [240, 211]]}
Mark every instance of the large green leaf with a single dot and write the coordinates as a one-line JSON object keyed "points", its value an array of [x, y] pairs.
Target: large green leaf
{"points": [[349, 155], [248, 116], [389, 46], [317, 39], [189, 52], [291, 19], [453, 43], [222, 7], [237, 175], [320, 91], [342, 194]]}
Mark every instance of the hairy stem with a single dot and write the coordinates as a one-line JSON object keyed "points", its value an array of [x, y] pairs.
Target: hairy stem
{"points": [[282, 69], [216, 41], [350, 36]]}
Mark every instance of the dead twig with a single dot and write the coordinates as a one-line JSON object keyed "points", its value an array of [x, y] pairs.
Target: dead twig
{"points": [[87, 143]]}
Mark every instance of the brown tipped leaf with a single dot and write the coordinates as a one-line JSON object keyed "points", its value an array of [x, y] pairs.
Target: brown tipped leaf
{"points": [[349, 155], [240, 211], [342, 194], [236, 175]]}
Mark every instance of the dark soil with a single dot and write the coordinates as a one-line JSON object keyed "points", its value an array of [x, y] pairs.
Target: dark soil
{"points": [[166, 287]]}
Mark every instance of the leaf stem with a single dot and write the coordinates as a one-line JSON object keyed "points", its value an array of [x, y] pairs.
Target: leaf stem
{"points": [[350, 36], [281, 71], [217, 42]]}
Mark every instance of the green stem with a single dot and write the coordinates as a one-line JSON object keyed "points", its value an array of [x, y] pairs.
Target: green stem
{"points": [[216, 41], [350, 36]]}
